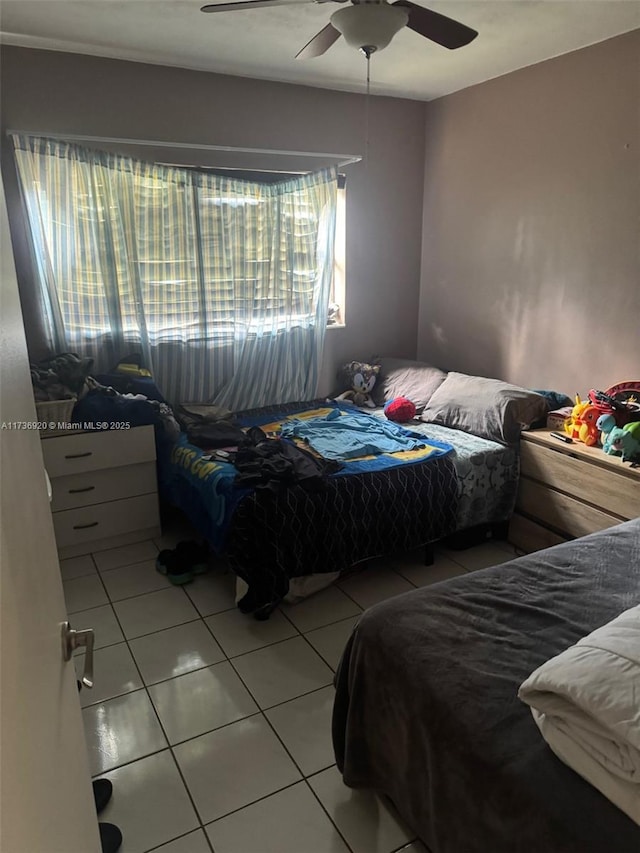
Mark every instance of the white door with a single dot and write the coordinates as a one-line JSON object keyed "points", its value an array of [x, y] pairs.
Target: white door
{"points": [[46, 801]]}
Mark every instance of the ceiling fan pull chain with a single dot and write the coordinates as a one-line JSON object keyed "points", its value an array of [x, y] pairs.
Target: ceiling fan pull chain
{"points": [[366, 110]]}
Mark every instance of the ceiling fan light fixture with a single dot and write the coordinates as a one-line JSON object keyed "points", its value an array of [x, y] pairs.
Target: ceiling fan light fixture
{"points": [[370, 26]]}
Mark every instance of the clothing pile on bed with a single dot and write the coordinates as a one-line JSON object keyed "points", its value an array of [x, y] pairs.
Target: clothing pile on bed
{"points": [[269, 463]]}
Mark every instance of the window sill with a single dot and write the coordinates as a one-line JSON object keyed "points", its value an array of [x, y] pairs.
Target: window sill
{"points": [[337, 326]]}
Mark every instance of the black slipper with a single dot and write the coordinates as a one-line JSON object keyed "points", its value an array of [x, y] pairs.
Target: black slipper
{"points": [[174, 566], [163, 559], [110, 837], [102, 790], [194, 556]]}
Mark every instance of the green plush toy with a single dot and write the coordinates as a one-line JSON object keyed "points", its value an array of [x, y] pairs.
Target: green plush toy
{"points": [[625, 441]]}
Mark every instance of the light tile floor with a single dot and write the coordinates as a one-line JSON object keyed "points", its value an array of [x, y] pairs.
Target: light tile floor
{"points": [[215, 729]]}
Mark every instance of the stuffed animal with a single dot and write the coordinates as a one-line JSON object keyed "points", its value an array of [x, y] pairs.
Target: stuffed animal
{"points": [[588, 432], [360, 378], [605, 424], [625, 441], [572, 426], [400, 410]]}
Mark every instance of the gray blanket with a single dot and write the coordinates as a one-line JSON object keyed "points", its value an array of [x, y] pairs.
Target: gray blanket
{"points": [[426, 708]]}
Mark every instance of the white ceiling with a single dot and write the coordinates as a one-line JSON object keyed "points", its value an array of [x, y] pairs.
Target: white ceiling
{"points": [[262, 42]]}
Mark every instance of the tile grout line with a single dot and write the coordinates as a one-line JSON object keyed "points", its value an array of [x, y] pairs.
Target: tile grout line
{"points": [[335, 621], [310, 644], [184, 835], [125, 566], [324, 809]]}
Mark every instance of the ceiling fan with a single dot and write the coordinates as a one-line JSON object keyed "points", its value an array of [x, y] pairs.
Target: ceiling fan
{"points": [[368, 25]]}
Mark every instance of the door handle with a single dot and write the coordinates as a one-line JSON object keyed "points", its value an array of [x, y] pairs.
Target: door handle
{"points": [[72, 640]]}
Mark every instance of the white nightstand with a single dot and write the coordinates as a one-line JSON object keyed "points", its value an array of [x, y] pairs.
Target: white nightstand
{"points": [[104, 487]]}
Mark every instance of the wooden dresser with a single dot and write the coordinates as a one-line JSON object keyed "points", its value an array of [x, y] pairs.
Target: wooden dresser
{"points": [[569, 490], [104, 488]]}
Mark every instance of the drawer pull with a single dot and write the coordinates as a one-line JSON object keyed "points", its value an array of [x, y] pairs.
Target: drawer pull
{"points": [[85, 526], [77, 491], [79, 455]]}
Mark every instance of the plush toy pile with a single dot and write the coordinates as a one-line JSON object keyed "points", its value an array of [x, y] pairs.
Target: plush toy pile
{"points": [[400, 410], [610, 418]]}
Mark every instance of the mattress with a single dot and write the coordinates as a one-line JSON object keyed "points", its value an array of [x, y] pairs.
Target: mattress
{"points": [[487, 474], [427, 712]]}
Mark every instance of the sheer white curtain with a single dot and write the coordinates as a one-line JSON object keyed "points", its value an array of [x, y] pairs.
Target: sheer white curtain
{"points": [[222, 284]]}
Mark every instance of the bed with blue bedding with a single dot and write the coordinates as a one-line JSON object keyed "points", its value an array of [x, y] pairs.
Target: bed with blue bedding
{"points": [[377, 503]]}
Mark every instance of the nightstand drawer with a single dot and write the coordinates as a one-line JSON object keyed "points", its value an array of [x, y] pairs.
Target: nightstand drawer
{"points": [[561, 512], [75, 526], [108, 484], [582, 479], [92, 451], [528, 536]]}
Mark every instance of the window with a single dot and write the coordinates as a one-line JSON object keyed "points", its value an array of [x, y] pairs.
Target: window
{"points": [[222, 283], [181, 239], [303, 265]]}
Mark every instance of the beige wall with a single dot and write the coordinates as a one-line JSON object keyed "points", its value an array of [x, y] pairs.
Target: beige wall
{"points": [[531, 264], [68, 93]]}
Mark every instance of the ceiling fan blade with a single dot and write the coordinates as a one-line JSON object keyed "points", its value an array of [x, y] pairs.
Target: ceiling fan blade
{"points": [[320, 43], [248, 4], [437, 27]]}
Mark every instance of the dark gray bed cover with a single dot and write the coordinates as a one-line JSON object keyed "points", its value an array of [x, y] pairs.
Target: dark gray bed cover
{"points": [[426, 709]]}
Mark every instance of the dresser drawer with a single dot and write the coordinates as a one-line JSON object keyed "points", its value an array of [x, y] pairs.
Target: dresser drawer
{"points": [[612, 491], [528, 536], [82, 524], [92, 451], [561, 512], [108, 484]]}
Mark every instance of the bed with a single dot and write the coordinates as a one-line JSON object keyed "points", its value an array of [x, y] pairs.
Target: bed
{"points": [[271, 540], [366, 508], [275, 544], [426, 709]]}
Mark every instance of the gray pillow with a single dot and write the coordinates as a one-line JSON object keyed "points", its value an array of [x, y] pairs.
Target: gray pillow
{"points": [[401, 377], [486, 407]]}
